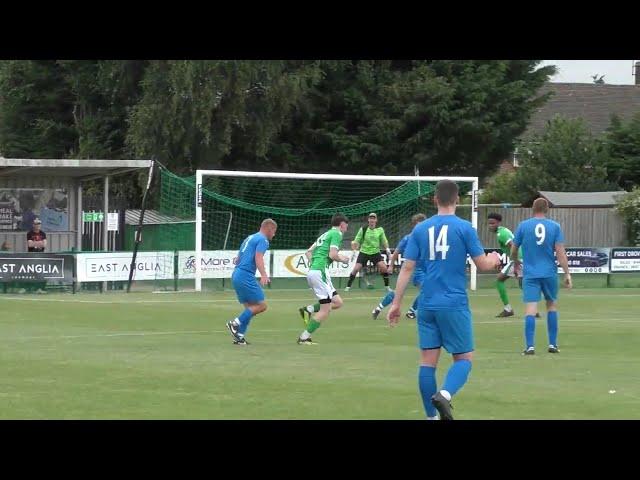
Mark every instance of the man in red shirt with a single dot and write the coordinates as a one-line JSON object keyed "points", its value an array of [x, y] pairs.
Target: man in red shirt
{"points": [[36, 238], [37, 242]]}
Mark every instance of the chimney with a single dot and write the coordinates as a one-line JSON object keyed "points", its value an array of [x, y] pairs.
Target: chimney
{"points": [[637, 73]]}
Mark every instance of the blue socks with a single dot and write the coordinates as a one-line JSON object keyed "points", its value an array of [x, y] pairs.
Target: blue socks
{"points": [[457, 376], [552, 327], [414, 307], [529, 330], [245, 318], [428, 388], [388, 298]]}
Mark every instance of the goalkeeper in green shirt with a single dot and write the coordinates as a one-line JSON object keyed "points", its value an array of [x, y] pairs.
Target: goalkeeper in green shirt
{"points": [[505, 237], [370, 240]]}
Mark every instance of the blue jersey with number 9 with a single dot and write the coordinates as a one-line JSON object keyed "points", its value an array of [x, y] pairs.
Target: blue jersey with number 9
{"points": [[538, 237], [441, 244]]}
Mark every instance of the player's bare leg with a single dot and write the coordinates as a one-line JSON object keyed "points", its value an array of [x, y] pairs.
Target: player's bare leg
{"points": [[307, 311], [316, 320], [384, 271], [356, 268]]}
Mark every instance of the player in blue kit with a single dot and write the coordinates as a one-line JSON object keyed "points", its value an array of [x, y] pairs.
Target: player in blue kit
{"points": [[441, 245], [248, 290], [417, 276], [540, 238]]}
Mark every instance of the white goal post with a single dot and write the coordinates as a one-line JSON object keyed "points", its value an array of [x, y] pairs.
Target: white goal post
{"points": [[200, 174]]}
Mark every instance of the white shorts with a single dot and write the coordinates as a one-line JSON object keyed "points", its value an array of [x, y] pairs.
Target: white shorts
{"points": [[510, 271], [321, 284]]}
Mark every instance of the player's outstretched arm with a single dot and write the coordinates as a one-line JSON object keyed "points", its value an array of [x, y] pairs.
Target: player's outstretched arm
{"points": [[309, 252], [334, 254], [561, 255], [385, 244], [394, 259], [403, 279], [355, 244], [264, 278], [514, 253], [488, 262], [355, 247]]}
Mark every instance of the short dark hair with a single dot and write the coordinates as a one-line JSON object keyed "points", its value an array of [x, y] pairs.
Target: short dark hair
{"points": [[446, 192], [417, 218], [337, 219], [495, 216], [540, 205]]}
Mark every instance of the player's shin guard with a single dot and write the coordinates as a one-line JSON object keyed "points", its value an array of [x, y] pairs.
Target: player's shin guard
{"points": [[313, 325], [529, 330], [352, 277], [502, 290], [428, 388], [457, 376], [387, 299], [245, 319], [385, 277], [552, 327]]}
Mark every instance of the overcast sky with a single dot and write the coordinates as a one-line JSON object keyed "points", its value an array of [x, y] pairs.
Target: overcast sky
{"points": [[616, 72]]}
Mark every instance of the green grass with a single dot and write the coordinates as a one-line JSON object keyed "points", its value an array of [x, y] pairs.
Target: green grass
{"points": [[152, 356]]}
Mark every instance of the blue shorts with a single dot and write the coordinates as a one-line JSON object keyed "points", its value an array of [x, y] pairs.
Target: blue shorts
{"points": [[451, 329], [532, 287], [247, 288]]}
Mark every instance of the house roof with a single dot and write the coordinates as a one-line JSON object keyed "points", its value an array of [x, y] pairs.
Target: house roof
{"points": [[594, 103], [581, 199]]}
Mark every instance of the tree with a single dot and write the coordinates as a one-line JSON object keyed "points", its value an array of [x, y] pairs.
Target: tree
{"points": [[215, 113], [501, 189], [444, 116], [103, 94], [36, 119], [629, 209], [565, 158], [624, 148]]}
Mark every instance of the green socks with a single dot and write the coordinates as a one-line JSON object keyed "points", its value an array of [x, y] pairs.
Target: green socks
{"points": [[502, 290]]}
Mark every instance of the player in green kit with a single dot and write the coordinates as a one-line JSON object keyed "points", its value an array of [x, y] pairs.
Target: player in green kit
{"points": [[505, 238], [370, 240], [323, 252]]}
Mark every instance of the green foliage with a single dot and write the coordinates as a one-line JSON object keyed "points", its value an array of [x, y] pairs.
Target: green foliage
{"points": [[629, 209], [36, 119], [382, 116], [196, 114], [565, 158], [501, 189], [624, 147]]}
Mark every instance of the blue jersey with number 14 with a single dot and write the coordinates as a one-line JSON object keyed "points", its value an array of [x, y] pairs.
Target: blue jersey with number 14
{"points": [[441, 244], [538, 237]]}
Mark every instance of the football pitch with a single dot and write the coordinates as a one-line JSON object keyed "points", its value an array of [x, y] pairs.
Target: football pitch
{"points": [[152, 356]]}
